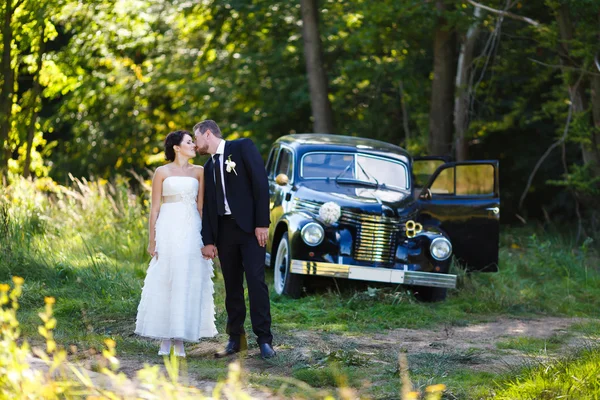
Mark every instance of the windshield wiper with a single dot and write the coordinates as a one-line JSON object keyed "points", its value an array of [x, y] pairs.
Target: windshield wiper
{"points": [[367, 175], [344, 171], [392, 188], [354, 181]]}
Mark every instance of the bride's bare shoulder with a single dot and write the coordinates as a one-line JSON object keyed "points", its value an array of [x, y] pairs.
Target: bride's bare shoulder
{"points": [[161, 172], [199, 171]]}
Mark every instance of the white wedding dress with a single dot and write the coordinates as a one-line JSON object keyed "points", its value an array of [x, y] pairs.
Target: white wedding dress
{"points": [[177, 298]]}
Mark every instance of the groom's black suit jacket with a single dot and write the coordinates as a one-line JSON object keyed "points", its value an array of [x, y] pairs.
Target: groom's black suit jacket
{"points": [[247, 191]]}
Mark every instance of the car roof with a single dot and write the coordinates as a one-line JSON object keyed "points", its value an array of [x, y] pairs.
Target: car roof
{"points": [[321, 141]]}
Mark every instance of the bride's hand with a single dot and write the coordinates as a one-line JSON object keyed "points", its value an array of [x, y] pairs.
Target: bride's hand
{"points": [[152, 249], [209, 252]]}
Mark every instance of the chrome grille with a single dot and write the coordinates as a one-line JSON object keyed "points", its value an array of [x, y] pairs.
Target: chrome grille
{"points": [[306, 205], [376, 235]]}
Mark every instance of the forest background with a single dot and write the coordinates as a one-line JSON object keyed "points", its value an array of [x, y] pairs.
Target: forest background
{"points": [[91, 88]]}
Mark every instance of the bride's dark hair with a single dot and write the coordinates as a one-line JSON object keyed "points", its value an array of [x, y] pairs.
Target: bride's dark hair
{"points": [[173, 139]]}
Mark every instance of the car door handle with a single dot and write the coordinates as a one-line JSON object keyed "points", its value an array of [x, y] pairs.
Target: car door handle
{"points": [[495, 210]]}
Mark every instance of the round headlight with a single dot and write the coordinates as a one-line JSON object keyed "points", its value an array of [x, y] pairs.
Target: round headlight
{"points": [[312, 234], [440, 248]]}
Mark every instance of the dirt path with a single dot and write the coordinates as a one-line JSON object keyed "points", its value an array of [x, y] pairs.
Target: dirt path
{"points": [[480, 341], [478, 347]]}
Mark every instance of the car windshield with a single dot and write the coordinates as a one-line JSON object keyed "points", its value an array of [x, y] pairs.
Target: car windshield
{"points": [[358, 167]]}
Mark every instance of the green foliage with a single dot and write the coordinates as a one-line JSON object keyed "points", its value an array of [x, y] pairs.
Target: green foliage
{"points": [[575, 377], [117, 76], [583, 180], [591, 328], [532, 345], [84, 245], [58, 379]]}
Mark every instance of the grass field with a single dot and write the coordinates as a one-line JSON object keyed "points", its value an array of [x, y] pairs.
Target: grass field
{"points": [[85, 246]]}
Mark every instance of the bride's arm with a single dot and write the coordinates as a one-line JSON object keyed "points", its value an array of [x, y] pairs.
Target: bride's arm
{"points": [[200, 200], [157, 181]]}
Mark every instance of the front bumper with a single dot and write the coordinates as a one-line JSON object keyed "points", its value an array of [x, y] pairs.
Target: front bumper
{"points": [[373, 274]]}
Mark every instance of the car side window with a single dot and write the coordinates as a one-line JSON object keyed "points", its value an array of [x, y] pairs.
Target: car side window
{"points": [[271, 161], [422, 171], [465, 180], [444, 182], [284, 163], [474, 180]]}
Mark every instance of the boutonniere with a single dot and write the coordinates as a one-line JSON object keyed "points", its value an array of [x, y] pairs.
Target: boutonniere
{"points": [[230, 165]]}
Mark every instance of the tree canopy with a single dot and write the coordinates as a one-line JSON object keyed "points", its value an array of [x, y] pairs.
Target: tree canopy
{"points": [[91, 88]]}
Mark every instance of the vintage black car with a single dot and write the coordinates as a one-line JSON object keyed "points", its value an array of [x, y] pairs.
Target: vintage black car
{"points": [[356, 208]]}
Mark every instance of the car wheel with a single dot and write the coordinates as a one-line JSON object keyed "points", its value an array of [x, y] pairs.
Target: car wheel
{"points": [[284, 281], [430, 294]]}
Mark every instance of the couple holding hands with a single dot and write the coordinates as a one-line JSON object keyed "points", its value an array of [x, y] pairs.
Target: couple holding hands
{"points": [[199, 213]]}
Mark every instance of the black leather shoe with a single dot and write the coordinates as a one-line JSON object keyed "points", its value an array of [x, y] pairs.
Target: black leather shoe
{"points": [[233, 346], [266, 351]]}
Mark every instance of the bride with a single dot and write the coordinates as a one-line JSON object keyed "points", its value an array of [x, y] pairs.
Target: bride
{"points": [[177, 299]]}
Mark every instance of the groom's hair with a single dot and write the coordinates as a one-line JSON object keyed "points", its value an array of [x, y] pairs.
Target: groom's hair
{"points": [[173, 139], [208, 125]]}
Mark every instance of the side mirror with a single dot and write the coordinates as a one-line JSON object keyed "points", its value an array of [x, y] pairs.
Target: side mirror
{"points": [[282, 179], [425, 195]]}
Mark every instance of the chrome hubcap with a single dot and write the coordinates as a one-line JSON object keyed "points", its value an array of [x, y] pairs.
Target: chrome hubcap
{"points": [[280, 269]]}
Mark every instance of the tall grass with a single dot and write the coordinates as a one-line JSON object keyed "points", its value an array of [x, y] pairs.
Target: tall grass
{"points": [[58, 379], [575, 377], [539, 273], [91, 237], [89, 222], [84, 244]]}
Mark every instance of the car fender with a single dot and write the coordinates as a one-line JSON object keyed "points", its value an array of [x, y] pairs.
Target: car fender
{"points": [[423, 239], [292, 223]]}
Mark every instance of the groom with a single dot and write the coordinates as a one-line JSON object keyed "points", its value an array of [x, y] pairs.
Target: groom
{"points": [[236, 222]]}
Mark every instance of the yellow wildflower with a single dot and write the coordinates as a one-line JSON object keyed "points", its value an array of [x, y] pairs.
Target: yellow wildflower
{"points": [[18, 280], [49, 300], [436, 388]]}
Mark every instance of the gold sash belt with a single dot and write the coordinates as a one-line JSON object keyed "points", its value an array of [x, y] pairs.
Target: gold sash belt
{"points": [[176, 198]]}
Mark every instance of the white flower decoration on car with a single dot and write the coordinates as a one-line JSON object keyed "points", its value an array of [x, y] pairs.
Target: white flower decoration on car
{"points": [[230, 165], [330, 212]]}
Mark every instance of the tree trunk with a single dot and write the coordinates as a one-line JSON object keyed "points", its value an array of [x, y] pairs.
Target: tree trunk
{"points": [[317, 79], [596, 118], [6, 97], [442, 91], [36, 92], [404, 114], [463, 90], [576, 85], [596, 109]]}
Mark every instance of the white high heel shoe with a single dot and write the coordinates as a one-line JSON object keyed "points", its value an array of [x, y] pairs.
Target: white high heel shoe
{"points": [[178, 349], [165, 348]]}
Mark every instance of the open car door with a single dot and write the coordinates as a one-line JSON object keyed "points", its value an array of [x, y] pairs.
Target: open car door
{"points": [[463, 199], [424, 167]]}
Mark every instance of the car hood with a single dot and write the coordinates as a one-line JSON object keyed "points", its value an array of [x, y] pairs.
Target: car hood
{"points": [[356, 198]]}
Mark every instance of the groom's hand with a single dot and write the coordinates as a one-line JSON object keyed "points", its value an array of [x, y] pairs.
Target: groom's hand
{"points": [[262, 234], [209, 251]]}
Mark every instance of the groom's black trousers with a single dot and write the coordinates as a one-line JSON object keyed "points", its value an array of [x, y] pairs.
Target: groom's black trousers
{"points": [[239, 253]]}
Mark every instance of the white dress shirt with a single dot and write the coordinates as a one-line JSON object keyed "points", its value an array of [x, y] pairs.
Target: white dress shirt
{"points": [[220, 151]]}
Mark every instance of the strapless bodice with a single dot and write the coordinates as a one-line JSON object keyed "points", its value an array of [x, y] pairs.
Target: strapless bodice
{"points": [[182, 185]]}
